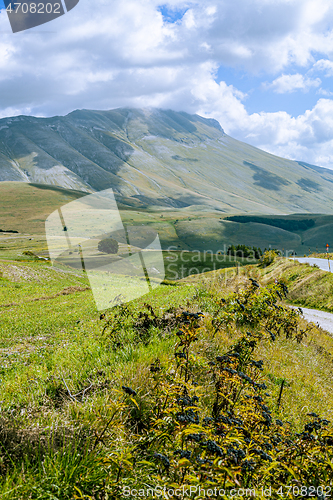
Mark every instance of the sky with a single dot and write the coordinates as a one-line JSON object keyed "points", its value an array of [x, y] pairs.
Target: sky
{"points": [[262, 68]]}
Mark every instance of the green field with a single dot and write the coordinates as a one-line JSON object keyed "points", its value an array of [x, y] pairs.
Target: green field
{"points": [[67, 428], [179, 229], [178, 263]]}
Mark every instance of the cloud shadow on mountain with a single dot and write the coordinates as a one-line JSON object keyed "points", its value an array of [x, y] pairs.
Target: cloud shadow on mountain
{"points": [[266, 179]]}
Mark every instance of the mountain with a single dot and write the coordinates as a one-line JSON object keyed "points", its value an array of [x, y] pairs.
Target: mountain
{"points": [[159, 159]]}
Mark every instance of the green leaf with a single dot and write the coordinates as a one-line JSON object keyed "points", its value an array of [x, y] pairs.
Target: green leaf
{"points": [[183, 462]]}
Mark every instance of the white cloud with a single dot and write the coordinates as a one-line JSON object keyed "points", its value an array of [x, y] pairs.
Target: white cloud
{"points": [[324, 92], [324, 65], [307, 137], [291, 83], [107, 54]]}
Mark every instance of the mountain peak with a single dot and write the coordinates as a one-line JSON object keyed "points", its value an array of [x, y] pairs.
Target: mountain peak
{"points": [[159, 158]]}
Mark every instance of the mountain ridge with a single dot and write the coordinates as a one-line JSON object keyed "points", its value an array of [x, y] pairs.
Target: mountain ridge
{"points": [[161, 159]]}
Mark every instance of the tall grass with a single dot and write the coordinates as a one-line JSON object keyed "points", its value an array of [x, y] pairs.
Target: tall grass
{"points": [[69, 429]]}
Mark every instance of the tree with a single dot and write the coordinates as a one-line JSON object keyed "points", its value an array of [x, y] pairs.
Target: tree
{"points": [[268, 258], [108, 245]]}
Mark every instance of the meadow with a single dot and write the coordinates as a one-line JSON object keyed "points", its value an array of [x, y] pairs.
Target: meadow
{"points": [[188, 228], [94, 404]]}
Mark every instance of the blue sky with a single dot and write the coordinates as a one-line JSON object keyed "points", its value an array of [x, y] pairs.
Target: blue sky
{"points": [[263, 68], [258, 97], [172, 14]]}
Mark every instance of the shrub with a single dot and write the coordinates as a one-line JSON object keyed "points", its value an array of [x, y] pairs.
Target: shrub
{"points": [[108, 245], [207, 421], [268, 258], [244, 251], [286, 224]]}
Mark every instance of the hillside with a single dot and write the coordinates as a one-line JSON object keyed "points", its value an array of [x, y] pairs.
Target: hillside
{"points": [[158, 159], [24, 207], [80, 392]]}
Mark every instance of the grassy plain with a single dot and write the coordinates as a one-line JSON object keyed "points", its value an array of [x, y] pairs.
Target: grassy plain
{"points": [[61, 375], [181, 229]]}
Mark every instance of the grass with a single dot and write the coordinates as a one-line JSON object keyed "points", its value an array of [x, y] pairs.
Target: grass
{"points": [[33, 204], [178, 263], [52, 347], [309, 286], [323, 255], [188, 228], [308, 365]]}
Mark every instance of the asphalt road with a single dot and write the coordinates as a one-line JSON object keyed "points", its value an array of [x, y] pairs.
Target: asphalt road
{"points": [[322, 318], [322, 263]]}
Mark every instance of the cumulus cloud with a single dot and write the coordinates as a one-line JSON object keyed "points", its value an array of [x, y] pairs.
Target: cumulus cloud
{"points": [[129, 48], [307, 137], [108, 54], [324, 65], [291, 83]]}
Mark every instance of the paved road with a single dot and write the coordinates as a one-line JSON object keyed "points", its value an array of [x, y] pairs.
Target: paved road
{"points": [[322, 263], [324, 319]]}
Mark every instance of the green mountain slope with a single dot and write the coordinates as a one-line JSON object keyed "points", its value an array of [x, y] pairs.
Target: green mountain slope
{"points": [[24, 207], [156, 158]]}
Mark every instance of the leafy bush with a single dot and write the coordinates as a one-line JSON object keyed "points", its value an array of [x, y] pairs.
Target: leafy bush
{"points": [[268, 258], [209, 422], [244, 251], [108, 245], [29, 253]]}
